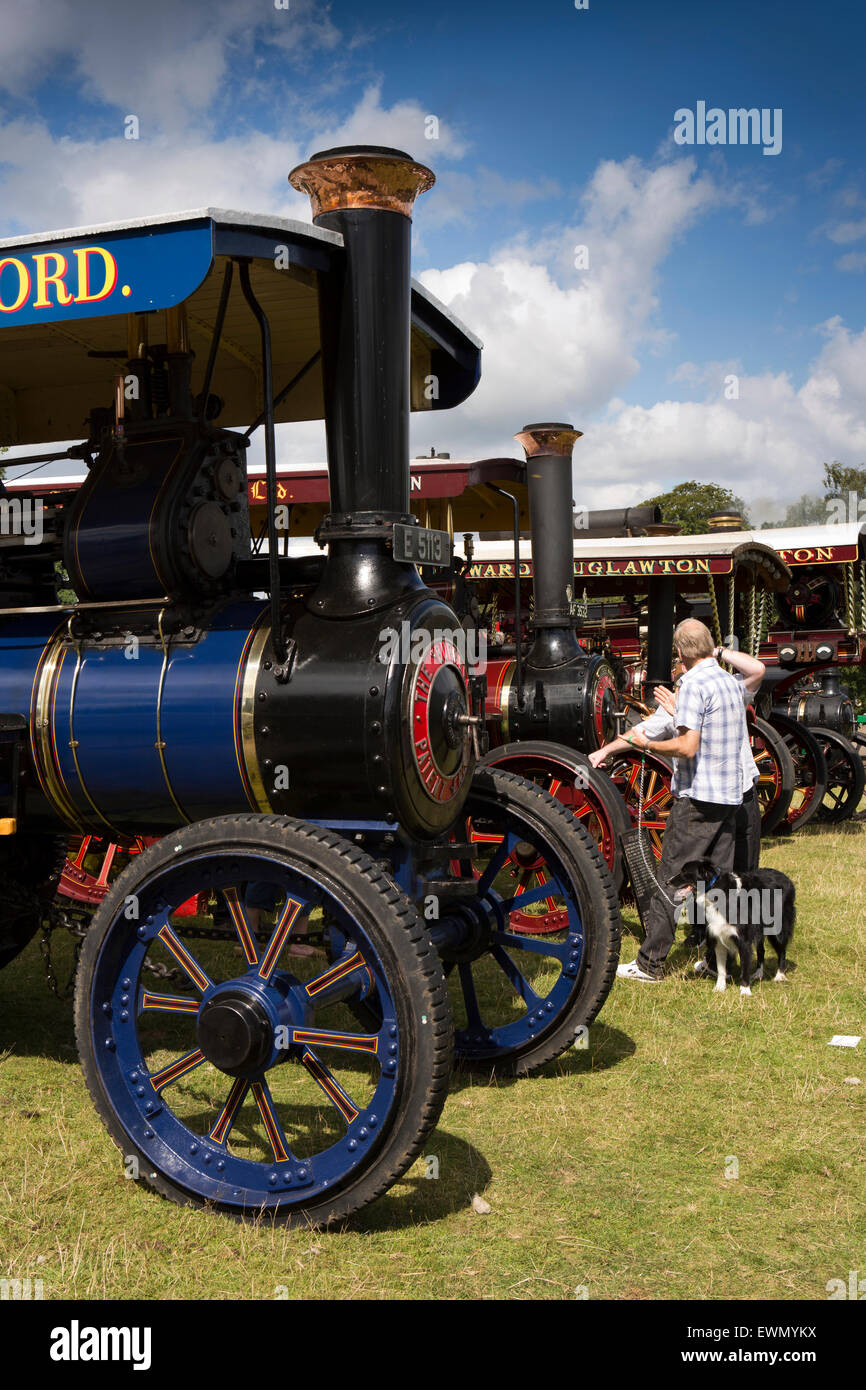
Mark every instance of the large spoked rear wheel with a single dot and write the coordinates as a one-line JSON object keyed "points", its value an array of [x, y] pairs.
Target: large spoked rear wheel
{"points": [[241, 1079], [586, 791], [776, 777], [519, 999], [846, 777], [810, 770]]}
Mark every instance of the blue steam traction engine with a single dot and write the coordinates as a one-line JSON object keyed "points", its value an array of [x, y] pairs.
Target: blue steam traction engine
{"points": [[288, 1047]]}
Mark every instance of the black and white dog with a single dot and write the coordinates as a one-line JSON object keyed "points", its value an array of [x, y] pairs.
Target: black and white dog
{"points": [[739, 910]]}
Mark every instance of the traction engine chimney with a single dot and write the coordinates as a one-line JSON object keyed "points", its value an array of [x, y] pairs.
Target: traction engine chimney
{"points": [[548, 451], [366, 193]]}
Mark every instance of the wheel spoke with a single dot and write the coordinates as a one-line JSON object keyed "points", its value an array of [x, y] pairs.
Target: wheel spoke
{"points": [[265, 1102], [541, 945], [470, 998], [329, 1037], [291, 908], [334, 973], [177, 1069], [235, 1100], [241, 925], [168, 1004], [516, 979], [496, 863], [331, 1086], [184, 959], [533, 895]]}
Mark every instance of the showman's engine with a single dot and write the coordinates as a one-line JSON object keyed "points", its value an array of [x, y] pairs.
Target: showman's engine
{"points": [[171, 692]]}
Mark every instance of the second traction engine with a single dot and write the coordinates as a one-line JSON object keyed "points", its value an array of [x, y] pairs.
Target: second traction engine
{"points": [[560, 693]]}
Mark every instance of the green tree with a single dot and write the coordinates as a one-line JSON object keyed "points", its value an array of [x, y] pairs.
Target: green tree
{"points": [[691, 503], [808, 510], [840, 480]]}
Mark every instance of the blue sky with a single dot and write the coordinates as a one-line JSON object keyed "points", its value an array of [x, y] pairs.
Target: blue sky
{"points": [[555, 130]]}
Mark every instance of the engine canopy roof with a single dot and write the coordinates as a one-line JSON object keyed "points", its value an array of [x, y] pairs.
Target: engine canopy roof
{"points": [[65, 295]]}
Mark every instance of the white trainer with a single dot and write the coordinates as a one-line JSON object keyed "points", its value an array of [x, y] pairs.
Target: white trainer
{"points": [[632, 971]]}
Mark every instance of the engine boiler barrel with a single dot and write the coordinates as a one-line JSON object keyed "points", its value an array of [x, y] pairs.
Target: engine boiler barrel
{"points": [[820, 709], [142, 733], [572, 704]]}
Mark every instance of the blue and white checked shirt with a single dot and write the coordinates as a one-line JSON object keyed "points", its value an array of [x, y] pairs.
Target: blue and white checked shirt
{"points": [[660, 725], [712, 702]]}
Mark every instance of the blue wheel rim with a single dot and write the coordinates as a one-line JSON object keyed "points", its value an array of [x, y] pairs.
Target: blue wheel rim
{"points": [[201, 1159]]}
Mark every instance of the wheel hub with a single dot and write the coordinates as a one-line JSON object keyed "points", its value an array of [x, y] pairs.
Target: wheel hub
{"points": [[235, 1033]]}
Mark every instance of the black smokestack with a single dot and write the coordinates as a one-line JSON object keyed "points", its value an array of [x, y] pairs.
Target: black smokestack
{"points": [[366, 193], [548, 471]]}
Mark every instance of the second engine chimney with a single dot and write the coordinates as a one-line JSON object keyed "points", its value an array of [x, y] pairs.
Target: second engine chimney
{"points": [[548, 450]]}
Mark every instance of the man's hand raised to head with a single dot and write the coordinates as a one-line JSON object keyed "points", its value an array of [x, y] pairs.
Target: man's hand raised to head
{"points": [[666, 698]]}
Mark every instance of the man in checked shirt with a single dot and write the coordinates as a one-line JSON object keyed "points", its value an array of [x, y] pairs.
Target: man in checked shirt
{"points": [[707, 784]]}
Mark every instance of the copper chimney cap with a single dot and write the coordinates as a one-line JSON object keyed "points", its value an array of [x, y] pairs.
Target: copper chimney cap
{"points": [[548, 439], [362, 176]]}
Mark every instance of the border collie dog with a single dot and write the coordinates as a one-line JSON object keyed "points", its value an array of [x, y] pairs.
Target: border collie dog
{"points": [[739, 910]]}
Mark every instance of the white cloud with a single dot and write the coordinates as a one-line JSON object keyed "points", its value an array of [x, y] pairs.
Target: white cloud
{"points": [[163, 61]]}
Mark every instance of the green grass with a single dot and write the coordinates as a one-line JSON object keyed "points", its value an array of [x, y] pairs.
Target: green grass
{"points": [[607, 1170]]}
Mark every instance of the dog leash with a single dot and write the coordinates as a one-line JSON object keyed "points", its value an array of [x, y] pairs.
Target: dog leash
{"points": [[640, 842]]}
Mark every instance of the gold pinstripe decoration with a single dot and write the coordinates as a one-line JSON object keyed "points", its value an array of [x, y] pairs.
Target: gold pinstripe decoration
{"points": [[241, 925], [270, 1122], [323, 1037], [184, 959], [332, 1088], [278, 940], [226, 1116], [336, 972], [177, 1069], [169, 1004]]}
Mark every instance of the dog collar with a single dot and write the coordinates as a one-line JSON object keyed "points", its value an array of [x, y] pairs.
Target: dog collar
{"points": [[713, 880]]}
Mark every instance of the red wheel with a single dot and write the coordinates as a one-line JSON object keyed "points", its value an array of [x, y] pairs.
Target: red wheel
{"points": [[644, 783], [571, 779], [93, 864], [777, 779], [526, 868], [810, 770]]}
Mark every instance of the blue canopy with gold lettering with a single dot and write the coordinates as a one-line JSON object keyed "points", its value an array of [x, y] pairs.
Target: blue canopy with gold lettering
{"points": [[69, 300]]}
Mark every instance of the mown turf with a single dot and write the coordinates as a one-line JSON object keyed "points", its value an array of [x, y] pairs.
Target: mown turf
{"points": [[609, 1173]]}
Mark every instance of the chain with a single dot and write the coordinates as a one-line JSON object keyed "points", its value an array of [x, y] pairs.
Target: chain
{"points": [[59, 918]]}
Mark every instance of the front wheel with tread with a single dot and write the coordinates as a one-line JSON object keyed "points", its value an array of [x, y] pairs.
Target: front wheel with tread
{"points": [[246, 1085]]}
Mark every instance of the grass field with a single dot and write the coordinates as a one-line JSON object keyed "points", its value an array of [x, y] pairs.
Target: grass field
{"points": [[610, 1174]]}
